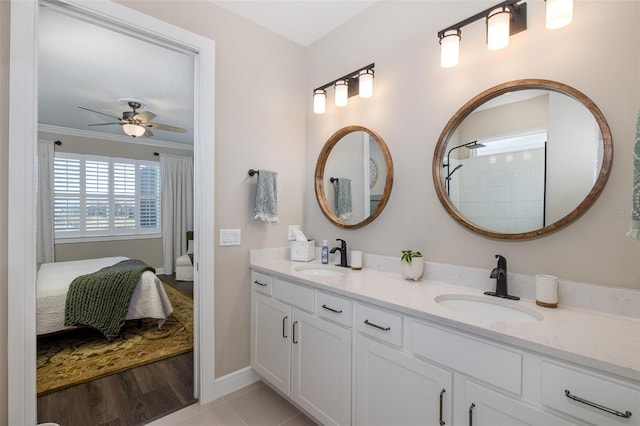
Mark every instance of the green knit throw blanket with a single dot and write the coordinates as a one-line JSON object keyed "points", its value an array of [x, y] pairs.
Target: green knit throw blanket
{"points": [[101, 299]]}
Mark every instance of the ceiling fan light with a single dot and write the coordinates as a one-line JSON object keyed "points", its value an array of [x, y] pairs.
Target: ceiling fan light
{"points": [[133, 130]]}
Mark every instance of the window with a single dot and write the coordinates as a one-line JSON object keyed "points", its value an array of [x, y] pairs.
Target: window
{"points": [[102, 196]]}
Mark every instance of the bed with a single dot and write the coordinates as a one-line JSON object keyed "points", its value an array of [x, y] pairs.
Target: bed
{"points": [[149, 300]]}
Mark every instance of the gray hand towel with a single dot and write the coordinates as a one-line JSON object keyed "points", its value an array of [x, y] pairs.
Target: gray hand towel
{"points": [[342, 187], [267, 196], [634, 232]]}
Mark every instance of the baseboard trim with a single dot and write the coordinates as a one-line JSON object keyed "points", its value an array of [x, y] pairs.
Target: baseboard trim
{"points": [[233, 381]]}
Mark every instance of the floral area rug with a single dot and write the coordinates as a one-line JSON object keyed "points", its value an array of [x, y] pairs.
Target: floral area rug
{"points": [[77, 356]]}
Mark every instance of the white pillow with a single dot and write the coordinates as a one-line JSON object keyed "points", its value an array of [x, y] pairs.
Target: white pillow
{"points": [[190, 247]]}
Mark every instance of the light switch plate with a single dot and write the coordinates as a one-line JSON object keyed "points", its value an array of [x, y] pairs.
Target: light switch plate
{"points": [[230, 237], [292, 234]]}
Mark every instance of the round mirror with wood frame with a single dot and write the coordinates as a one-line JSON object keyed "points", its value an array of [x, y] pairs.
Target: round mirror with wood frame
{"points": [[348, 154], [504, 124]]}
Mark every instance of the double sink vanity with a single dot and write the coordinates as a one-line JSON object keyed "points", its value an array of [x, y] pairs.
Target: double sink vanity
{"points": [[367, 347]]}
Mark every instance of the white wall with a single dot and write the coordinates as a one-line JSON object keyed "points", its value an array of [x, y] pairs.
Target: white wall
{"points": [[414, 98]]}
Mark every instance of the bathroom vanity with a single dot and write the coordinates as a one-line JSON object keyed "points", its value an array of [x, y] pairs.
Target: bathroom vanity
{"points": [[367, 347]]}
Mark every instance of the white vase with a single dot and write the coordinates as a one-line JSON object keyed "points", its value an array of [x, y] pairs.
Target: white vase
{"points": [[413, 270]]}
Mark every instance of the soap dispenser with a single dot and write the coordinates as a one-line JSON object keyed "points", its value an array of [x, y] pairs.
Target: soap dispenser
{"points": [[325, 252]]}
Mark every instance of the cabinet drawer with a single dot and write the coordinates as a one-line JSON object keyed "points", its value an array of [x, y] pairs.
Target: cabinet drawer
{"points": [[262, 282], [294, 294], [380, 324], [334, 308], [491, 363], [609, 394]]}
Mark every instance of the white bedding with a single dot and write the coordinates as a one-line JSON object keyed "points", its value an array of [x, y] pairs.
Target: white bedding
{"points": [[149, 300]]}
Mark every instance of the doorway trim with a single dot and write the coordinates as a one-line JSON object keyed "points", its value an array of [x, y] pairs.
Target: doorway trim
{"points": [[23, 132]]}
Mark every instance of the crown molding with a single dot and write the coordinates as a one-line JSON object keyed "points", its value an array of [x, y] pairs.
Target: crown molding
{"points": [[108, 136]]}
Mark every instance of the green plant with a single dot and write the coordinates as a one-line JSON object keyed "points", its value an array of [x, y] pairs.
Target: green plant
{"points": [[408, 255]]}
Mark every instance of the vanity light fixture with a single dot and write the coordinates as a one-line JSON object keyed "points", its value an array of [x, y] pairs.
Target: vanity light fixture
{"points": [[450, 48], [358, 82], [133, 130], [341, 92], [498, 23], [559, 13], [319, 101], [503, 20]]}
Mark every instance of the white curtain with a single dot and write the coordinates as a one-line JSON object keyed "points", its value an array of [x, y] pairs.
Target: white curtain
{"points": [[45, 233], [177, 207]]}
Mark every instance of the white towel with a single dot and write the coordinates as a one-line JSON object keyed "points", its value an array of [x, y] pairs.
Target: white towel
{"points": [[267, 196]]}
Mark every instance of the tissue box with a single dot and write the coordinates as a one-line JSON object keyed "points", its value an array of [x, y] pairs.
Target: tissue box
{"points": [[303, 251]]}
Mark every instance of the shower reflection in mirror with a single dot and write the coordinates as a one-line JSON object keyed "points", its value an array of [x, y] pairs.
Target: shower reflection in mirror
{"points": [[500, 182]]}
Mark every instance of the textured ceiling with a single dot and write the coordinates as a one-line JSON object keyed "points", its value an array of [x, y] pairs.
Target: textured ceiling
{"points": [[87, 65]]}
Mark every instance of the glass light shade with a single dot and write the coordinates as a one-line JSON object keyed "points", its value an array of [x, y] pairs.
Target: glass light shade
{"points": [[450, 49], [342, 93], [365, 83], [133, 130], [559, 13], [319, 101], [498, 28]]}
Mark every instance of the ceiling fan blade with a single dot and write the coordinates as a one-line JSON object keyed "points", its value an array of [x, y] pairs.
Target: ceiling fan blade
{"points": [[102, 124], [101, 113], [144, 117], [147, 132], [166, 127]]}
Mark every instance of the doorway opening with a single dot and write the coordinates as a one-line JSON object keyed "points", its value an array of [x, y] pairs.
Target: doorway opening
{"points": [[23, 134]]}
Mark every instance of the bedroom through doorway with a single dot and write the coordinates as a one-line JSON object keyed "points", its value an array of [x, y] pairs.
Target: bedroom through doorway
{"points": [[87, 83]]}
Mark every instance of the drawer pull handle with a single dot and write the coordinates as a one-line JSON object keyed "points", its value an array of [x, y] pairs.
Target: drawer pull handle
{"points": [[337, 311], [259, 283], [294, 332], [471, 407], [442, 423], [284, 327], [377, 326], [626, 414]]}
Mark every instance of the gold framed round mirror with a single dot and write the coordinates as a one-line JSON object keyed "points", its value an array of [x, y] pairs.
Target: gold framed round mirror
{"points": [[522, 159], [349, 192]]}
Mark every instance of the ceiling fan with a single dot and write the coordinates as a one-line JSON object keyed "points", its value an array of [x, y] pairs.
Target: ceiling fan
{"points": [[136, 124]]}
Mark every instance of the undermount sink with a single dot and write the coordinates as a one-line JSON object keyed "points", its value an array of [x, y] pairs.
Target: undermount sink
{"points": [[321, 270], [489, 307]]}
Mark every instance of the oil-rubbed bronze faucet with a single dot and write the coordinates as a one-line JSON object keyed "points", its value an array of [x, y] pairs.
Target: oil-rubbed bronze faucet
{"points": [[343, 253], [499, 273]]}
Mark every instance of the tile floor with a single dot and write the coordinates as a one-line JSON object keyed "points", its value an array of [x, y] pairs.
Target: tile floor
{"points": [[254, 405]]}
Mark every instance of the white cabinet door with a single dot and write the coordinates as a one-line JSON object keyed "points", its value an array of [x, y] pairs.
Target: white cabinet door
{"points": [[321, 374], [485, 407], [271, 341], [394, 388]]}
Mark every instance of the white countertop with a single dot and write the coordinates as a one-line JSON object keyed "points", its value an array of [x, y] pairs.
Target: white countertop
{"points": [[603, 341]]}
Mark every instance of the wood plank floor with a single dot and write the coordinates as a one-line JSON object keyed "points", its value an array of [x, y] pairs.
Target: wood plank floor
{"points": [[131, 397]]}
